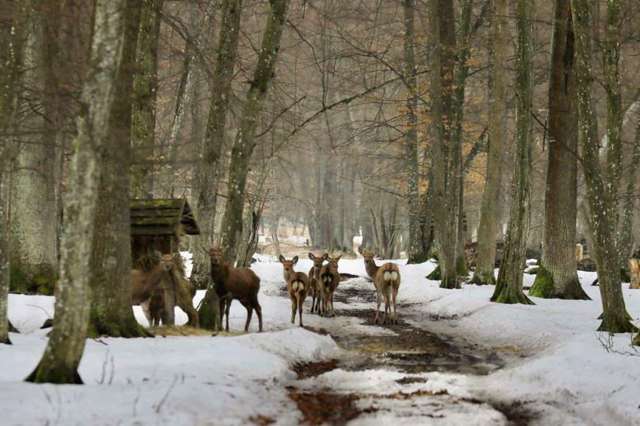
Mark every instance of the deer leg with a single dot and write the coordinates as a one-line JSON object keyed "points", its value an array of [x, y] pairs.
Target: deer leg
{"points": [[394, 294], [375, 320], [249, 315], [386, 305], [300, 303], [145, 310], [222, 304], [294, 305], [258, 308], [227, 308]]}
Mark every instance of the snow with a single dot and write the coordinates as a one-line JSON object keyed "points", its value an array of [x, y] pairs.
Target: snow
{"points": [[558, 365]]}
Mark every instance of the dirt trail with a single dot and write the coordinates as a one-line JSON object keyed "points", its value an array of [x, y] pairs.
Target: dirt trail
{"points": [[410, 350]]}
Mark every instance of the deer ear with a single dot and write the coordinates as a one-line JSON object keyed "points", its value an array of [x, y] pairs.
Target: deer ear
{"points": [[338, 258], [325, 256], [281, 258], [295, 259], [360, 249], [311, 256]]}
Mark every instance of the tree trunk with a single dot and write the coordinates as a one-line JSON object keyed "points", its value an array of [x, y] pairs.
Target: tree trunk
{"points": [[246, 137], [602, 206], [509, 284], [490, 207], [61, 358], [33, 226], [210, 166], [557, 275], [111, 312], [447, 153], [145, 90], [414, 251]]}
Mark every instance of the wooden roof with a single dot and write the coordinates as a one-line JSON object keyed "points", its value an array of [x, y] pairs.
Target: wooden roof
{"points": [[162, 217]]}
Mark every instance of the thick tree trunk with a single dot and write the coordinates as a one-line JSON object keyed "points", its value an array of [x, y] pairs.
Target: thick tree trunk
{"points": [[557, 275], [34, 225], [602, 205], [246, 137], [61, 358], [145, 90], [111, 312], [447, 153], [11, 33], [211, 163], [414, 251], [490, 207], [509, 283]]}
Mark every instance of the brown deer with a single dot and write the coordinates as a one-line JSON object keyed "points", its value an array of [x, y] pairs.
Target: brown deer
{"points": [[329, 280], [235, 283], [387, 282], [161, 288], [315, 282], [297, 285]]}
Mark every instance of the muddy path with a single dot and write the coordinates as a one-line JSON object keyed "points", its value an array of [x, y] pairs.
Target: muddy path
{"points": [[407, 353]]}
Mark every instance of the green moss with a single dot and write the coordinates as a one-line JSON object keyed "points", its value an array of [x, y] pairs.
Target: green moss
{"points": [[32, 280], [543, 285], [54, 374], [480, 278], [435, 274], [617, 324], [461, 267], [209, 311], [102, 325], [636, 340]]}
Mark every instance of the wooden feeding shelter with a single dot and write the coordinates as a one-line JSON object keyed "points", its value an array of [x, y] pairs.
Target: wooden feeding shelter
{"points": [[158, 224]]}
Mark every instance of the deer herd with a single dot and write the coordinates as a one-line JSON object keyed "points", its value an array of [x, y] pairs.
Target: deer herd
{"points": [[159, 285], [323, 279]]}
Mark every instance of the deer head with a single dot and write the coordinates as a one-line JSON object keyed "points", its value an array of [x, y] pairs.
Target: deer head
{"points": [[216, 256], [166, 262], [332, 266], [288, 265], [318, 260]]}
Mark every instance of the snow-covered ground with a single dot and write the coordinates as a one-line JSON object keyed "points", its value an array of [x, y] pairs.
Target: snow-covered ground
{"points": [[560, 367]]}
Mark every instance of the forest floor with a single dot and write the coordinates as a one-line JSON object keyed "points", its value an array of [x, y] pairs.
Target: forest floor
{"points": [[455, 358]]}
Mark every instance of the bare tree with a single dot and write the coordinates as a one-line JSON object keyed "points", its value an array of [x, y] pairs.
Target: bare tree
{"points": [[488, 230], [600, 188], [61, 358], [246, 137], [557, 276], [509, 284]]}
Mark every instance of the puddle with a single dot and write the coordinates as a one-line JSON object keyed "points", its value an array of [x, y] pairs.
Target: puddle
{"points": [[407, 349]]}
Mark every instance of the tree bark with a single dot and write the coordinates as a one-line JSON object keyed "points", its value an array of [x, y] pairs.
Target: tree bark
{"points": [[602, 205], [246, 137], [557, 276], [34, 225], [509, 284], [414, 252], [111, 312], [447, 153], [145, 90], [61, 358], [210, 165], [490, 206]]}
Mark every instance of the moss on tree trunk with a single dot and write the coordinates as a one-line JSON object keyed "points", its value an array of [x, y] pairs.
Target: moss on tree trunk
{"points": [[209, 311]]}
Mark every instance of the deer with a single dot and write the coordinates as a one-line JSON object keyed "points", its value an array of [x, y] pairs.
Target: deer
{"points": [[329, 280], [162, 287], [369, 262], [232, 283], [297, 286], [315, 282], [387, 282]]}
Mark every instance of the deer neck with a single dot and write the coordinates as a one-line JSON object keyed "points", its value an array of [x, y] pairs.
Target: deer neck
{"points": [[371, 268]]}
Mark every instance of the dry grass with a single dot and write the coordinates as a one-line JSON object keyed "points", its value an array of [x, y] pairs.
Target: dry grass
{"points": [[164, 331]]}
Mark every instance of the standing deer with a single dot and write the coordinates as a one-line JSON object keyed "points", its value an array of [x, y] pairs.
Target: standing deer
{"points": [[387, 282], [297, 285], [369, 262], [161, 288], [315, 282], [329, 280], [235, 283]]}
